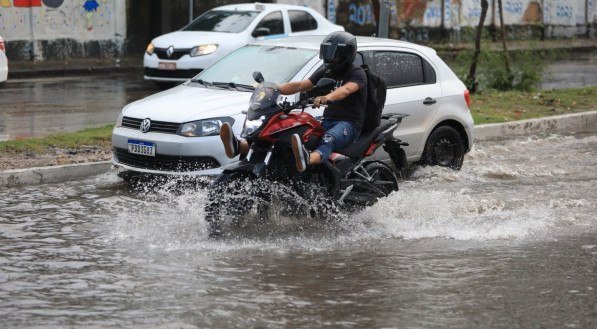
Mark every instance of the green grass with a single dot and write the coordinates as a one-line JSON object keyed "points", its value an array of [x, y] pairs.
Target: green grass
{"points": [[97, 137], [490, 106]]}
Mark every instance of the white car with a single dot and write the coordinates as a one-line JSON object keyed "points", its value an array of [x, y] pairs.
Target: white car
{"points": [[180, 55], [3, 62], [175, 132]]}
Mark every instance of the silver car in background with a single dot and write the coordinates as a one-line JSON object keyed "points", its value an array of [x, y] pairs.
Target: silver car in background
{"points": [[175, 132]]}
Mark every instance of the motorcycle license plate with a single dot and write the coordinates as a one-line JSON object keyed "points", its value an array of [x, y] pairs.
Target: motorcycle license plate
{"points": [[166, 66], [142, 148]]}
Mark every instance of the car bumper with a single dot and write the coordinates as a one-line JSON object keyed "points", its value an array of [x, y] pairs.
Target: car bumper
{"points": [[186, 67], [175, 155]]}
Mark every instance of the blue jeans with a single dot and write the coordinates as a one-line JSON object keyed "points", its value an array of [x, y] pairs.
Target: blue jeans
{"points": [[338, 134]]}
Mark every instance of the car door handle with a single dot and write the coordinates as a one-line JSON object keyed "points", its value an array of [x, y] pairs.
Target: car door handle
{"points": [[429, 101]]}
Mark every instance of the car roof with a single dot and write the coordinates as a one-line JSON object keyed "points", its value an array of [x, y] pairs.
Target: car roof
{"points": [[313, 42], [259, 7]]}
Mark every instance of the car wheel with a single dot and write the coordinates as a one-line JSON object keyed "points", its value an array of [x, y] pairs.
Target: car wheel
{"points": [[444, 148]]}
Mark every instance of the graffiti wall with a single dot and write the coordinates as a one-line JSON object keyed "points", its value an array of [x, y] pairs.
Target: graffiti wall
{"points": [[360, 16], [39, 22]]}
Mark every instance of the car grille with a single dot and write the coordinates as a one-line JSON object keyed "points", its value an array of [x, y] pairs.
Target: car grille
{"points": [[177, 54], [175, 74], [156, 126], [165, 162]]}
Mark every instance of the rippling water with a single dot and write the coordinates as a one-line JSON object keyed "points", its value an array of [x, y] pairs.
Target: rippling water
{"points": [[509, 241]]}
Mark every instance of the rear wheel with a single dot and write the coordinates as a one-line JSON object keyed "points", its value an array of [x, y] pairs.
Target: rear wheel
{"points": [[371, 181], [383, 177], [444, 148]]}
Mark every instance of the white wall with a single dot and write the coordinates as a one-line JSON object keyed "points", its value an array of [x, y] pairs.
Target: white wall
{"points": [[63, 19]]}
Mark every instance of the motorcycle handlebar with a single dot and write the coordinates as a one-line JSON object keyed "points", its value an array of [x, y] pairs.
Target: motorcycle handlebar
{"points": [[304, 103]]}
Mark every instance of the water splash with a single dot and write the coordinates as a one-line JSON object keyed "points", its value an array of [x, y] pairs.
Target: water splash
{"points": [[508, 190]]}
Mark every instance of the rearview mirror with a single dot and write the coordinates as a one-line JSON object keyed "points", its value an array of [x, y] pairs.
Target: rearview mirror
{"points": [[325, 84], [257, 76], [260, 32]]}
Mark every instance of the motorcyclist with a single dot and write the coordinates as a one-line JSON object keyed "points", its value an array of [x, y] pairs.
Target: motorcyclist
{"points": [[345, 112]]}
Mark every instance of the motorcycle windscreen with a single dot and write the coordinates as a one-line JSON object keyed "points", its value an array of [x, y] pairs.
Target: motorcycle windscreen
{"points": [[263, 99]]}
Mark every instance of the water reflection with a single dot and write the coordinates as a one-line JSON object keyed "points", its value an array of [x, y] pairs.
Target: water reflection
{"points": [[37, 107]]}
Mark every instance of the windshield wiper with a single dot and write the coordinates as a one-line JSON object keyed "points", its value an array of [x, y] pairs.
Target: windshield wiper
{"points": [[208, 84], [231, 85], [199, 81], [240, 85]]}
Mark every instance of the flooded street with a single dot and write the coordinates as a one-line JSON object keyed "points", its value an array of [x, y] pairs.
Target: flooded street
{"points": [[509, 241]]}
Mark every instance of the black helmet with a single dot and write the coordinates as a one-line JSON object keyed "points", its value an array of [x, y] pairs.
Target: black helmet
{"points": [[338, 50]]}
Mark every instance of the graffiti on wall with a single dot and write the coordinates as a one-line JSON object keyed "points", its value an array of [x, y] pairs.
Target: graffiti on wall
{"points": [[90, 7], [359, 16], [50, 19], [31, 3]]}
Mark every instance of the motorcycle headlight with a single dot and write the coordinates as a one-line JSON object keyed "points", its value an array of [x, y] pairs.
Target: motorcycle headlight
{"points": [[252, 125], [150, 49], [203, 50], [202, 128]]}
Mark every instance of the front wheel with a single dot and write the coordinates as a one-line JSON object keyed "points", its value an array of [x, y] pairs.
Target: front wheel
{"points": [[444, 148], [231, 198]]}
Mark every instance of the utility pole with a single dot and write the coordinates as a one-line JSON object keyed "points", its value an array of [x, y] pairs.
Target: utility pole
{"points": [[384, 18], [190, 11]]}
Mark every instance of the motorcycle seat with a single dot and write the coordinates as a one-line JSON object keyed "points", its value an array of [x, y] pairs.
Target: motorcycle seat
{"points": [[359, 146]]}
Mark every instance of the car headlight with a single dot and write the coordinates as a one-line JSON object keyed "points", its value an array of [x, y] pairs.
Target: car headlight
{"points": [[203, 50], [202, 128], [119, 120], [150, 49], [252, 125]]}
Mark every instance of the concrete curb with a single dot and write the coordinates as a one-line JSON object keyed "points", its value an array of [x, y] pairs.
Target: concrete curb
{"points": [[579, 122], [54, 174]]}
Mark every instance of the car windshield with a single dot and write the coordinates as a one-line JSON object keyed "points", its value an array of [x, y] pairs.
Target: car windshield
{"points": [[277, 64], [222, 21]]}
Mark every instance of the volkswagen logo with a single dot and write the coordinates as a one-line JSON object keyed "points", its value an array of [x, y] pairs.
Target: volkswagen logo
{"points": [[145, 125], [170, 51]]}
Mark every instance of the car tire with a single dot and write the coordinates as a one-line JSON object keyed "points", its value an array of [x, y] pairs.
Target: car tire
{"points": [[444, 148]]}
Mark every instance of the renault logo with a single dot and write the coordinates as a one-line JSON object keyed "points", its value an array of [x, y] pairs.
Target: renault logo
{"points": [[145, 125], [170, 51]]}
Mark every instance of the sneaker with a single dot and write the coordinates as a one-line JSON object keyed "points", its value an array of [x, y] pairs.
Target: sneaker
{"points": [[301, 155], [229, 140]]}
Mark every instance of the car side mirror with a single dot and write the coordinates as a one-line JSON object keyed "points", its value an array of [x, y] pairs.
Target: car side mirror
{"points": [[257, 76], [260, 32]]}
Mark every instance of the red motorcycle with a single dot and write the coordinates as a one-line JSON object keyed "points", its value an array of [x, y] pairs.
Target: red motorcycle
{"points": [[347, 181]]}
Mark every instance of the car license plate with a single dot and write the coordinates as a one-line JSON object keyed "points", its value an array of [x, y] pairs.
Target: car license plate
{"points": [[143, 148], [166, 66]]}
